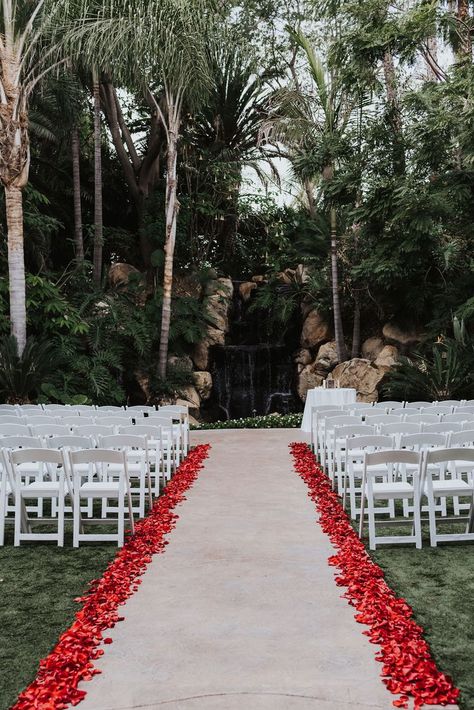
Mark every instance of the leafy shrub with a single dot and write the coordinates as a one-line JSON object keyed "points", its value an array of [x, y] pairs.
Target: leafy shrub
{"points": [[21, 378], [268, 421]]}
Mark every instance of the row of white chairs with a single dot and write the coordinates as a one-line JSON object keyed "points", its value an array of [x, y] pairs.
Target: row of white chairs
{"points": [[153, 447], [415, 476]]}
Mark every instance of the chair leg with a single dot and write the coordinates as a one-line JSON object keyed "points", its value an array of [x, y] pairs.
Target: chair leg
{"points": [[60, 511], [432, 518], [76, 512], [18, 518], [3, 506]]}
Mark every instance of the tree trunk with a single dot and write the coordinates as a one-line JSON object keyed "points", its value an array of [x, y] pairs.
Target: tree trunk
{"points": [[98, 219], [394, 112], [171, 213], [76, 180], [338, 330], [16, 264], [356, 327], [464, 20]]}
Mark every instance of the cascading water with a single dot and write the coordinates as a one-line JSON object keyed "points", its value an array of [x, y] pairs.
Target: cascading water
{"points": [[251, 374]]}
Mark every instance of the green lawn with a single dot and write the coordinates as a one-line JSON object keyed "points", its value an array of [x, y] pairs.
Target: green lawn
{"points": [[439, 585], [38, 584]]}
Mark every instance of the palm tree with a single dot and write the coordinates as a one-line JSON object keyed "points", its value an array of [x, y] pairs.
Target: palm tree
{"points": [[159, 47], [27, 54], [98, 219], [311, 123]]}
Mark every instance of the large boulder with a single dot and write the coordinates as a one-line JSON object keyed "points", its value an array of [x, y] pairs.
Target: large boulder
{"points": [[182, 362], [388, 357], [217, 308], [371, 348], [222, 286], [203, 384], [120, 273], [258, 279], [360, 374], [303, 357], [189, 397], [246, 288], [326, 359], [214, 336], [308, 378], [315, 330], [201, 355], [405, 339]]}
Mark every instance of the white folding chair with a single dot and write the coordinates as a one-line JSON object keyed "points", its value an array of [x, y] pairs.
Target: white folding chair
{"points": [[338, 447], [110, 408], [378, 418], [74, 443], [183, 412], [113, 421], [455, 486], [465, 409], [388, 406], [356, 448], [172, 431], [353, 406], [84, 408], [56, 407], [330, 422], [40, 487], [115, 486], [459, 417], [9, 407], [11, 419], [450, 403], [160, 467], [418, 405], [421, 442], [389, 489], [317, 413], [464, 438], [136, 449]]}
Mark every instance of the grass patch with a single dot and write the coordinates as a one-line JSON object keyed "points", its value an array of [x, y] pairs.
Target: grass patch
{"points": [[439, 584], [37, 589]]}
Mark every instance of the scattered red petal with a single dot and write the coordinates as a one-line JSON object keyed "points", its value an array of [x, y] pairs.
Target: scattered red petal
{"points": [[408, 667], [70, 662]]}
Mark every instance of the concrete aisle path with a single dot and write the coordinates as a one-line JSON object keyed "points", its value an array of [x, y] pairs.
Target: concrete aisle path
{"points": [[241, 612]]}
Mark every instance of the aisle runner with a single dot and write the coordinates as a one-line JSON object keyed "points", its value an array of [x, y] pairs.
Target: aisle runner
{"points": [[408, 667], [71, 661]]}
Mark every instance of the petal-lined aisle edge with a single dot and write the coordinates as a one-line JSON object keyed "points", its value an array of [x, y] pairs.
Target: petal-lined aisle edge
{"points": [[71, 661], [408, 667]]}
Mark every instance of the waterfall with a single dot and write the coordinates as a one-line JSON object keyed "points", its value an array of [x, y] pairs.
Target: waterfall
{"points": [[252, 373]]}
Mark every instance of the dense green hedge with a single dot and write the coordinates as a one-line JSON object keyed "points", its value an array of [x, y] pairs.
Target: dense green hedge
{"points": [[269, 421]]}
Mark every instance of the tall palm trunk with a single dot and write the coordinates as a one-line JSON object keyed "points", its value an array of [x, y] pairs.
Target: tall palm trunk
{"points": [[16, 264], [356, 327], [98, 219], [76, 182], [171, 214], [336, 304], [465, 41]]}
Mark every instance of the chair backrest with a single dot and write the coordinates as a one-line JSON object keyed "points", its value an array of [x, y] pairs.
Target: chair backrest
{"points": [[37, 456], [343, 419], [389, 405], [141, 408], [94, 431], [377, 441], [47, 430], [8, 407], [460, 438], [381, 418], [400, 428], [458, 417], [423, 418], [14, 430], [113, 421], [84, 408], [442, 427], [321, 409], [71, 441], [118, 414], [78, 420], [419, 405], [435, 409], [422, 441], [450, 403], [30, 407], [10, 419], [96, 456], [357, 405], [43, 419], [447, 455], [182, 408], [120, 441], [151, 432], [407, 411], [468, 409], [402, 456], [110, 408], [346, 431], [58, 407], [20, 442]]}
